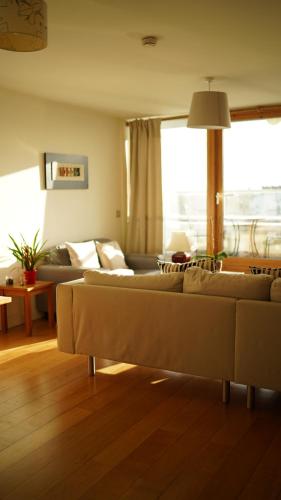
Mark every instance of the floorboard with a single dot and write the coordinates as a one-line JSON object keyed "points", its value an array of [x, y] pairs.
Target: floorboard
{"points": [[130, 432]]}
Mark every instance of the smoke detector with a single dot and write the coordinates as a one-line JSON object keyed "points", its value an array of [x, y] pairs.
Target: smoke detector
{"points": [[149, 41]]}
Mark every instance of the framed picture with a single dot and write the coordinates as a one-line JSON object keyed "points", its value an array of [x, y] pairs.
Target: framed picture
{"points": [[66, 171]]}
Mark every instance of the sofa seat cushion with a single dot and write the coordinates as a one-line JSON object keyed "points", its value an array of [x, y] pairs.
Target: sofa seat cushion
{"points": [[171, 282], [111, 272], [236, 285], [83, 254], [147, 271]]}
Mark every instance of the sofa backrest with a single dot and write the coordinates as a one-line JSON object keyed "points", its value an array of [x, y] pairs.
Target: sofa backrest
{"points": [[59, 255], [170, 282], [236, 285]]}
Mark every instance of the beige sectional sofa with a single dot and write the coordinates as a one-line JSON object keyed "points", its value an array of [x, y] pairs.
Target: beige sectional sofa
{"points": [[217, 326]]}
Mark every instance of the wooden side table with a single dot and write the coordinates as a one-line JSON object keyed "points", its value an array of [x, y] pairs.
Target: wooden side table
{"points": [[27, 291], [3, 302]]}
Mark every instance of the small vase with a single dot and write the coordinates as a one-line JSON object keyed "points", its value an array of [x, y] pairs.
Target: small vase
{"points": [[30, 277]]}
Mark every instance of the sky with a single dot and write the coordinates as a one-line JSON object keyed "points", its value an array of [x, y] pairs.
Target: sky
{"points": [[252, 156]]}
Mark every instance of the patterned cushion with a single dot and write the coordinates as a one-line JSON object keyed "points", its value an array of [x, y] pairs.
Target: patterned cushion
{"points": [[272, 271], [172, 267]]}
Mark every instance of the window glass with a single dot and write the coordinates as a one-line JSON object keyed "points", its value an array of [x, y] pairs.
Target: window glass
{"points": [[184, 179], [252, 188]]}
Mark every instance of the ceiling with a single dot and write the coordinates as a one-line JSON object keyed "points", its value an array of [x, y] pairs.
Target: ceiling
{"points": [[95, 57]]}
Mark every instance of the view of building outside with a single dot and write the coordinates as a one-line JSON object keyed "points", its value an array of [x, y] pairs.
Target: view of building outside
{"points": [[252, 188], [184, 180]]}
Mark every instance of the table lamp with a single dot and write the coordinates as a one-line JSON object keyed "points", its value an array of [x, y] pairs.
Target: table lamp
{"points": [[180, 244]]}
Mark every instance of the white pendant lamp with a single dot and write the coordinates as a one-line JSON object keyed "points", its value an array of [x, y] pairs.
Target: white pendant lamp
{"points": [[23, 25], [209, 109]]}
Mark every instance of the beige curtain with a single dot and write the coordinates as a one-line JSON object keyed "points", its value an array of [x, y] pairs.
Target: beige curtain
{"points": [[145, 221]]}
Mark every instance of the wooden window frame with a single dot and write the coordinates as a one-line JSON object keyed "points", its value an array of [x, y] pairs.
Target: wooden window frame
{"points": [[215, 189]]}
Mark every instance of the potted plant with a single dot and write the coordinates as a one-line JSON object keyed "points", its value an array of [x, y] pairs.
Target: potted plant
{"points": [[28, 256]]}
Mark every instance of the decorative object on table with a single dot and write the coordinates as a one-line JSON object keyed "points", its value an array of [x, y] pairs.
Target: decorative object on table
{"points": [[64, 171], [217, 259], [9, 281], [28, 256], [179, 244], [23, 25], [209, 109]]}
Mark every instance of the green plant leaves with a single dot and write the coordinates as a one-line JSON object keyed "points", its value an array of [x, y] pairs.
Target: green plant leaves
{"points": [[28, 255]]}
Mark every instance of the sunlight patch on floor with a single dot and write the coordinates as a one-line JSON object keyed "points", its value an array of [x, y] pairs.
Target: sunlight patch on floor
{"points": [[28, 348], [159, 381], [116, 369]]}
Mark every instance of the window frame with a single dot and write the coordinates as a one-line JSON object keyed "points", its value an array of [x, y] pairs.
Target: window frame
{"points": [[215, 189]]}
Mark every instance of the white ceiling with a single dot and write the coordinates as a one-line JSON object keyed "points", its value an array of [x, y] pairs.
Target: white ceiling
{"points": [[95, 57]]}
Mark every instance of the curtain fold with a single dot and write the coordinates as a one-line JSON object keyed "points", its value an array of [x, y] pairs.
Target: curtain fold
{"points": [[145, 219]]}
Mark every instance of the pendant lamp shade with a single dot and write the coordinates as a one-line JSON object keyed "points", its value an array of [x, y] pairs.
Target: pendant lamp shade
{"points": [[23, 25], [209, 109]]}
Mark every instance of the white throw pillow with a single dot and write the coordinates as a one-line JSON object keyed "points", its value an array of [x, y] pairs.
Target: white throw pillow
{"points": [[111, 255], [240, 286], [170, 282], [83, 254]]}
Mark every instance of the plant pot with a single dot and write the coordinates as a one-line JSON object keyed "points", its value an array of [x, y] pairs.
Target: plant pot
{"points": [[29, 277]]}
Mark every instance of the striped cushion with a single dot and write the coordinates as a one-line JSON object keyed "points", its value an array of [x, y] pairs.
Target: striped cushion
{"points": [[172, 267], [272, 271]]}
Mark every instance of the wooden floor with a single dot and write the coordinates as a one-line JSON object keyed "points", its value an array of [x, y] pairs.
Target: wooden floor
{"points": [[130, 432]]}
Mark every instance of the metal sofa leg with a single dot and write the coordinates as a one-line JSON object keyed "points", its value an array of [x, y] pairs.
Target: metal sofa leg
{"points": [[225, 391], [91, 366], [250, 397]]}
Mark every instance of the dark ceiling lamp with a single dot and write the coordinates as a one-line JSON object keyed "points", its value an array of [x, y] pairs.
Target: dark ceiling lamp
{"points": [[209, 109], [23, 25]]}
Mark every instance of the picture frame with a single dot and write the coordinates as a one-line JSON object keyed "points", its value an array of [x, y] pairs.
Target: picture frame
{"points": [[64, 171]]}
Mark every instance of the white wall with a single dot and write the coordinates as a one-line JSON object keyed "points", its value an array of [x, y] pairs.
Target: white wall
{"points": [[31, 126]]}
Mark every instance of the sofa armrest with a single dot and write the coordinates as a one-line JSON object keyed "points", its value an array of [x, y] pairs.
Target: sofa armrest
{"points": [[59, 274], [258, 344], [141, 261]]}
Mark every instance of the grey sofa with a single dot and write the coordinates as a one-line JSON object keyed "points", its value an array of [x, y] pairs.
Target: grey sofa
{"points": [[57, 268]]}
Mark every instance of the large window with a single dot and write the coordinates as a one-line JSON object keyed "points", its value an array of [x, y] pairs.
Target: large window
{"points": [[223, 188], [252, 188], [184, 180]]}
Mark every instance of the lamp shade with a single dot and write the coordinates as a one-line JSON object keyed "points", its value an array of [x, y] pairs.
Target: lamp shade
{"points": [[209, 109], [23, 25], [179, 242]]}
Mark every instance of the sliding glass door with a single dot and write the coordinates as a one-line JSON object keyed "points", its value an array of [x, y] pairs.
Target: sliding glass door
{"points": [[184, 180]]}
